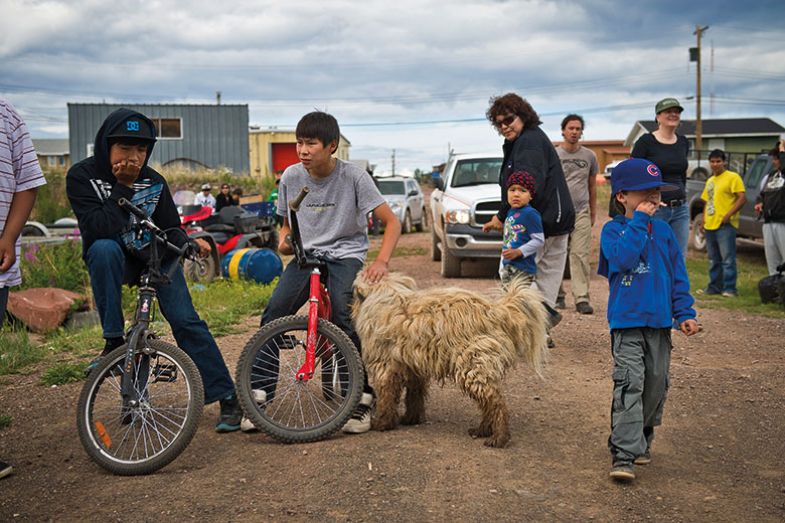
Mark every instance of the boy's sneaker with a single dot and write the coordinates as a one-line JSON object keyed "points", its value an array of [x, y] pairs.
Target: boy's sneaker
{"points": [[643, 459], [560, 303], [110, 345], [729, 294], [247, 425], [622, 471], [361, 417], [5, 469], [231, 414]]}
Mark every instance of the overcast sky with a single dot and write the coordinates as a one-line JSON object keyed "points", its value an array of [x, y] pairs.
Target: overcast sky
{"points": [[414, 76]]}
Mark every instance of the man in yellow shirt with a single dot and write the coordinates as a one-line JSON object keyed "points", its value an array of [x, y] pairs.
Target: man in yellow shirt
{"points": [[724, 197]]}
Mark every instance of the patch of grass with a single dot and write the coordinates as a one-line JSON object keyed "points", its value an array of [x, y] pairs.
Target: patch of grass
{"points": [[750, 270], [5, 421], [400, 251], [63, 373], [17, 351], [225, 303], [55, 265], [82, 343]]}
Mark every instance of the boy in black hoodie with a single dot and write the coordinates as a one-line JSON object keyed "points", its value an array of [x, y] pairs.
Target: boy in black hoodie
{"points": [[115, 256]]}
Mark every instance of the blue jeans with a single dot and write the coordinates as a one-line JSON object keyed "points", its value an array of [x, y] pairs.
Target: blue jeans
{"points": [[679, 220], [292, 292], [721, 248], [106, 264]]}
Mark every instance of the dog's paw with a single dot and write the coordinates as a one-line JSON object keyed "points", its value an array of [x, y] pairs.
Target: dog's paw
{"points": [[498, 441], [480, 432], [413, 419]]}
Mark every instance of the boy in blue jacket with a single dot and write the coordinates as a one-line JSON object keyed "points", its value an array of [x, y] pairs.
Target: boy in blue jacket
{"points": [[649, 289]]}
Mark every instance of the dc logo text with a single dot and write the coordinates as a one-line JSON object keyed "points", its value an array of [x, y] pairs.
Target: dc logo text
{"points": [[132, 125]]}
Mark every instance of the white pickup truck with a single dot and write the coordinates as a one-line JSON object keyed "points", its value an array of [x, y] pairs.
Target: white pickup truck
{"points": [[466, 197]]}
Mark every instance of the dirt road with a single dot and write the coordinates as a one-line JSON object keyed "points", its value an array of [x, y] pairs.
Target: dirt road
{"points": [[718, 456]]}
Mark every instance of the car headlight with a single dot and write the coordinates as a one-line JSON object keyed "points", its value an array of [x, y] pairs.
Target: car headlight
{"points": [[457, 216]]}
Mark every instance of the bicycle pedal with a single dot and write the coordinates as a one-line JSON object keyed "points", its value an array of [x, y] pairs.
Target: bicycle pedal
{"points": [[165, 373]]}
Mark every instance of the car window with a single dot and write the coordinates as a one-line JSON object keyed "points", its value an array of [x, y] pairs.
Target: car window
{"points": [[390, 187], [475, 172], [756, 172]]}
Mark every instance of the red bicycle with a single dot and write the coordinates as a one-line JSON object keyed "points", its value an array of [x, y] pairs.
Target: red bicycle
{"points": [[300, 378]]}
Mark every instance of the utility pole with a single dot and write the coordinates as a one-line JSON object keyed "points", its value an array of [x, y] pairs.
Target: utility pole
{"points": [[393, 162], [696, 57]]}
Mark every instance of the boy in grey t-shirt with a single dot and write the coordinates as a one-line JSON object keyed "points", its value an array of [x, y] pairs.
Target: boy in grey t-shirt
{"points": [[334, 227]]}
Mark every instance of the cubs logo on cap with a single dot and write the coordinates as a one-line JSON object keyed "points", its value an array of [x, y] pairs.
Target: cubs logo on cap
{"points": [[637, 174]]}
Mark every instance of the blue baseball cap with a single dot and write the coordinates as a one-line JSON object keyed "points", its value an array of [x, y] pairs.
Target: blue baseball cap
{"points": [[637, 174]]}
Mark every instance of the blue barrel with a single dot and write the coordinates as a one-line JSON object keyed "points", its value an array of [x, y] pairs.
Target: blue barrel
{"points": [[260, 265]]}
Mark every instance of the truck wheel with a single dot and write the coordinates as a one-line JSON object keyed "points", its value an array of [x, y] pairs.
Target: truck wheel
{"points": [[698, 237], [436, 254], [451, 265], [406, 226], [420, 227]]}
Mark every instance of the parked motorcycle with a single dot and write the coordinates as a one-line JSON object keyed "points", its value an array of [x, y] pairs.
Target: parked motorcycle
{"points": [[234, 227]]}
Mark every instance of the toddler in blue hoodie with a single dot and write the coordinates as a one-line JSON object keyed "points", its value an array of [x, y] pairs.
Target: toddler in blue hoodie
{"points": [[649, 291]]}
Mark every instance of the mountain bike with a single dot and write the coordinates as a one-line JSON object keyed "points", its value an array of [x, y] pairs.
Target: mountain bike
{"points": [[300, 378], [140, 406]]}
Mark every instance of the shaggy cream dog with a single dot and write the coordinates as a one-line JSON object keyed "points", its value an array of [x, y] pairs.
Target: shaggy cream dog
{"points": [[411, 336]]}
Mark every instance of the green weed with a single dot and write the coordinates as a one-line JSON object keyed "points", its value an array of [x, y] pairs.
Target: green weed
{"points": [[54, 265], [62, 373], [5, 421], [17, 351]]}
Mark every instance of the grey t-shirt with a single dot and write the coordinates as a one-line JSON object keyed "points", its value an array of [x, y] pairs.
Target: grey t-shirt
{"points": [[333, 217], [578, 166]]}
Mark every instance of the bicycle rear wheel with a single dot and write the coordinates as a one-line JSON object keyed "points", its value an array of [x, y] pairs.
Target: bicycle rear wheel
{"points": [[140, 439], [292, 410]]}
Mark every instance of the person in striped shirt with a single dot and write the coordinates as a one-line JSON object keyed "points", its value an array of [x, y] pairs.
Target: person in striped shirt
{"points": [[20, 177]]}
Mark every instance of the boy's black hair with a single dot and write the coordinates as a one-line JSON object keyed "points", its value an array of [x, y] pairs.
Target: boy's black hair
{"points": [[570, 117], [717, 153], [620, 208], [775, 151], [238, 191], [319, 125]]}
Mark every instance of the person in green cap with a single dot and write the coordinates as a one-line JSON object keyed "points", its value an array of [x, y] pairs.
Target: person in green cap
{"points": [[668, 151]]}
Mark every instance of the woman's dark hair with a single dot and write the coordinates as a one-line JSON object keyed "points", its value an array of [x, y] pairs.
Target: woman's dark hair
{"points": [[319, 125], [511, 103]]}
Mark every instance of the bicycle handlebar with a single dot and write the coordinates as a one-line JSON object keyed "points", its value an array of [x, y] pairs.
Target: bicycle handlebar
{"points": [[295, 204], [160, 235]]}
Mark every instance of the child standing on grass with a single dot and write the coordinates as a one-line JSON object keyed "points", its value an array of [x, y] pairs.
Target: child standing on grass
{"points": [[649, 289], [20, 177], [523, 234]]}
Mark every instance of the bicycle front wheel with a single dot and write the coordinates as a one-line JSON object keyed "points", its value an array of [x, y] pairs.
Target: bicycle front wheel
{"points": [[293, 410], [148, 434]]}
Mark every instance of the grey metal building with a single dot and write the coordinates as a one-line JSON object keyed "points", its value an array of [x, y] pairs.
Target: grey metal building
{"points": [[191, 136]]}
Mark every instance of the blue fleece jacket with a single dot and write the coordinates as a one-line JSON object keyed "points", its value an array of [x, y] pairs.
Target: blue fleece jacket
{"points": [[649, 286]]}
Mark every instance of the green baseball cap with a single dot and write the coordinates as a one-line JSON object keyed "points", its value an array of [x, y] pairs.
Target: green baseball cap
{"points": [[667, 103]]}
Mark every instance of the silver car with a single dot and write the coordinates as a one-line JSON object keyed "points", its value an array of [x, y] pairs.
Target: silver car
{"points": [[406, 200]]}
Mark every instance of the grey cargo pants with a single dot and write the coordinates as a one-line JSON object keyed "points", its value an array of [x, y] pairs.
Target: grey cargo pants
{"points": [[641, 358]]}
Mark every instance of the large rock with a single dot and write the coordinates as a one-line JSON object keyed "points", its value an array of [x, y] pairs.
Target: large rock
{"points": [[43, 309]]}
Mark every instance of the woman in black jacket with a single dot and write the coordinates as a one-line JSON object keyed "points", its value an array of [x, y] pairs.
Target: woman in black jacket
{"points": [[527, 148]]}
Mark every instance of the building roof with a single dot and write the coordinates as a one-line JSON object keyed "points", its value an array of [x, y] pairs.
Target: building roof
{"points": [[714, 127], [51, 146], [255, 129]]}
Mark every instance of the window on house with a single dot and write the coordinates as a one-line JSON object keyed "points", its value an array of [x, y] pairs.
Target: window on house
{"points": [[171, 128]]}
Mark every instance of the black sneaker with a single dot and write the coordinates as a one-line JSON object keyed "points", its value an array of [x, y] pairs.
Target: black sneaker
{"points": [[5, 469], [643, 459], [231, 414], [360, 421], [554, 316], [622, 471], [110, 345], [584, 308], [560, 303]]}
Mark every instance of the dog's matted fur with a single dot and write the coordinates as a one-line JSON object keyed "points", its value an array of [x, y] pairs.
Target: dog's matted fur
{"points": [[411, 336]]}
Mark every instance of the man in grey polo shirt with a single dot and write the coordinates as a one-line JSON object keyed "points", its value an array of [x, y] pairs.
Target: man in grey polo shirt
{"points": [[580, 170]]}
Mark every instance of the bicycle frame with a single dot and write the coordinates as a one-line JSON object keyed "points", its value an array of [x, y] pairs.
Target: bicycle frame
{"points": [[139, 331], [319, 305]]}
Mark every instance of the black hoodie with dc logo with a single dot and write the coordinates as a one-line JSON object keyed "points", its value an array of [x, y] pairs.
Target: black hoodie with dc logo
{"points": [[93, 192]]}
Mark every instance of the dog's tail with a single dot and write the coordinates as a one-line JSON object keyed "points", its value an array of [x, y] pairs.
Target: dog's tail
{"points": [[527, 322]]}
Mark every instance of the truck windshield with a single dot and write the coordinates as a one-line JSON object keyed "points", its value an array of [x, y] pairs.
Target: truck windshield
{"points": [[475, 172]]}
